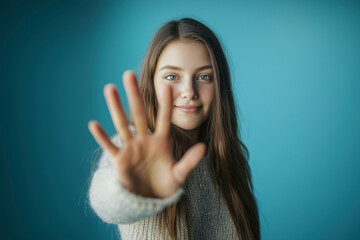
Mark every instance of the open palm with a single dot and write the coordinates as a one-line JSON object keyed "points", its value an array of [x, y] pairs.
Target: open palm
{"points": [[144, 163]]}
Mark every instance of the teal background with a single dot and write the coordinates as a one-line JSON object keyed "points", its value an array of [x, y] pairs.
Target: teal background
{"points": [[296, 77]]}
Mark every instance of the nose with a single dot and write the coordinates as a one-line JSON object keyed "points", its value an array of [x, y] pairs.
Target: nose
{"points": [[188, 90]]}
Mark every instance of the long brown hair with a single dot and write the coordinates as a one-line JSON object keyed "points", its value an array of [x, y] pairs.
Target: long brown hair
{"points": [[228, 155]]}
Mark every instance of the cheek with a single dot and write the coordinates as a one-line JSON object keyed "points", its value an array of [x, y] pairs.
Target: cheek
{"points": [[158, 88], [208, 94], [175, 93], [207, 99]]}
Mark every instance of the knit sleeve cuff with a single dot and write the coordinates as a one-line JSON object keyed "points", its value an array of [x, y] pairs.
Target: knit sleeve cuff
{"points": [[116, 204]]}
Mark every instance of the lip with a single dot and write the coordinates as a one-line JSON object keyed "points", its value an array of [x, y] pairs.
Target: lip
{"points": [[189, 108]]}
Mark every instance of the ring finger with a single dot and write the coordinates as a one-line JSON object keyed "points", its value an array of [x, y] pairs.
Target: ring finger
{"points": [[117, 113]]}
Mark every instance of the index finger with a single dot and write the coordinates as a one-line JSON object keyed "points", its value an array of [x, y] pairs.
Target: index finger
{"points": [[164, 112]]}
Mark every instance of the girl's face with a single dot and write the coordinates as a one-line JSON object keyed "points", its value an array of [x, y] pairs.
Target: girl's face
{"points": [[186, 67]]}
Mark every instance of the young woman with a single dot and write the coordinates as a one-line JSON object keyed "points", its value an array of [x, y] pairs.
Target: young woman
{"points": [[179, 170]]}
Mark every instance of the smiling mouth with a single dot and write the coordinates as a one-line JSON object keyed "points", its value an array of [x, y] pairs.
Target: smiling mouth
{"points": [[188, 108]]}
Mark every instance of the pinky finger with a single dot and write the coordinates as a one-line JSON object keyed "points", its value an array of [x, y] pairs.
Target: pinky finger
{"points": [[102, 138]]}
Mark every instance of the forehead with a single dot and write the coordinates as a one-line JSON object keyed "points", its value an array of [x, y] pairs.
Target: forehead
{"points": [[188, 55]]}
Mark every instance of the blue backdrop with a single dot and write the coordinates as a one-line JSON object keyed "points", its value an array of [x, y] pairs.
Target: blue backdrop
{"points": [[295, 68]]}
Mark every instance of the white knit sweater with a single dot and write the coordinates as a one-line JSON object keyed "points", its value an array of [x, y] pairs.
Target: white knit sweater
{"points": [[137, 217]]}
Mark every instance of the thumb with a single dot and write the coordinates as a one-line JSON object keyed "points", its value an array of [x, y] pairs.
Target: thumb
{"points": [[188, 162]]}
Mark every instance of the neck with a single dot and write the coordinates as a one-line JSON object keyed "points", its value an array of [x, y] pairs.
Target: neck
{"points": [[193, 135]]}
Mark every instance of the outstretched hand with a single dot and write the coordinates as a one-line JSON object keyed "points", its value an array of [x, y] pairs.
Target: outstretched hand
{"points": [[144, 163]]}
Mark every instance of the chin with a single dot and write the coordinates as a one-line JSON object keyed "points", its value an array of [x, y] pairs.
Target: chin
{"points": [[188, 125]]}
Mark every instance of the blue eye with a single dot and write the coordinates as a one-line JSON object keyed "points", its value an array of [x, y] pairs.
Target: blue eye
{"points": [[205, 77], [172, 77]]}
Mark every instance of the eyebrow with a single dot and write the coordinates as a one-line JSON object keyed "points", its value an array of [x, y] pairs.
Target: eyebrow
{"points": [[177, 68]]}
